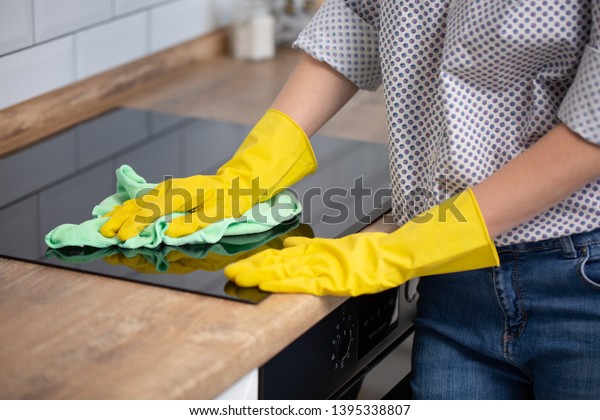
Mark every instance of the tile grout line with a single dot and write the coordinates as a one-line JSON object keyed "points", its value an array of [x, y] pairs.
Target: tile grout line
{"points": [[33, 31]]}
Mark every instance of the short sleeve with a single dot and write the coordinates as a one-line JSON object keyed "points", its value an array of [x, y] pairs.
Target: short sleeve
{"points": [[345, 35], [580, 109]]}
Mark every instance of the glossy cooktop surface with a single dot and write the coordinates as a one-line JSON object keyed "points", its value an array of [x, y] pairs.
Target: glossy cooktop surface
{"points": [[60, 179]]}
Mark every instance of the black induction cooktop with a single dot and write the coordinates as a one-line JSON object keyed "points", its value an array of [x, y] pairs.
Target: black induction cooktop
{"points": [[60, 179]]}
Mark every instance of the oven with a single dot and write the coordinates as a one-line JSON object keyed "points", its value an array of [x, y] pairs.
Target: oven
{"points": [[331, 360]]}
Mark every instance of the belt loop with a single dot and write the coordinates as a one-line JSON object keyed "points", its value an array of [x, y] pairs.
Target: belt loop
{"points": [[568, 247]]}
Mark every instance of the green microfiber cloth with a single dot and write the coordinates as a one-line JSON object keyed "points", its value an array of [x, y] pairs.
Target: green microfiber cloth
{"points": [[261, 218]]}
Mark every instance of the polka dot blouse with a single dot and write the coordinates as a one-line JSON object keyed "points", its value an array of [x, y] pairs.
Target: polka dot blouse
{"points": [[468, 86]]}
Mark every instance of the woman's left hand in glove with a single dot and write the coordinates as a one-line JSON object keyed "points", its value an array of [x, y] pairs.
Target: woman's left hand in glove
{"points": [[448, 238]]}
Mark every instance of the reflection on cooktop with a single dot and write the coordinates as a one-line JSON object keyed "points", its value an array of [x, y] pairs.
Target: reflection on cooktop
{"points": [[60, 179]]}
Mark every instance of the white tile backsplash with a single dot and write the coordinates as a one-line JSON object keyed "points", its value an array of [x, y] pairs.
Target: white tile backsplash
{"points": [[58, 17], [180, 21], [106, 46], [126, 6], [46, 44], [36, 70], [16, 25]]}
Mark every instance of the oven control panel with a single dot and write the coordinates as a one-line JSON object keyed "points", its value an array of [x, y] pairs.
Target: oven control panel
{"points": [[343, 339], [326, 358]]}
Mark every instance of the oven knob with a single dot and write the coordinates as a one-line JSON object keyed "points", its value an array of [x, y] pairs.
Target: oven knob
{"points": [[341, 342]]}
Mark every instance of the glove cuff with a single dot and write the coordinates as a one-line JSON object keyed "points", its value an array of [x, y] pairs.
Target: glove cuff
{"points": [[276, 152], [448, 238], [487, 245], [301, 137]]}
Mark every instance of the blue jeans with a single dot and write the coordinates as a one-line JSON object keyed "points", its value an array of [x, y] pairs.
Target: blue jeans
{"points": [[527, 329]]}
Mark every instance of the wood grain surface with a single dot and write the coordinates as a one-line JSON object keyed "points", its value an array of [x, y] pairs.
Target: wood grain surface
{"points": [[239, 91], [69, 335]]}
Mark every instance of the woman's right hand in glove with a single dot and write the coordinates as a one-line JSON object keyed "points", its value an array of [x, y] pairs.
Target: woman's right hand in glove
{"points": [[275, 154]]}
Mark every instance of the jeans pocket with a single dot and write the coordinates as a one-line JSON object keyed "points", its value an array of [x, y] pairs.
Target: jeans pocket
{"points": [[588, 267]]}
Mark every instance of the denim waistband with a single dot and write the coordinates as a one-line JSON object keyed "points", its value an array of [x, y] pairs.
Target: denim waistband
{"points": [[568, 244]]}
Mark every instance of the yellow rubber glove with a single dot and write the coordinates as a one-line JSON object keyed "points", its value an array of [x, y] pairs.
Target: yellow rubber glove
{"points": [[448, 238], [275, 155]]}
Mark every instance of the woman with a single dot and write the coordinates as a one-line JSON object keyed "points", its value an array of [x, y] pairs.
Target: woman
{"points": [[493, 120]]}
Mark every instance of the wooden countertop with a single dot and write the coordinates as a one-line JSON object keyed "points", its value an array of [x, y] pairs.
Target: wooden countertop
{"points": [[69, 335]]}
